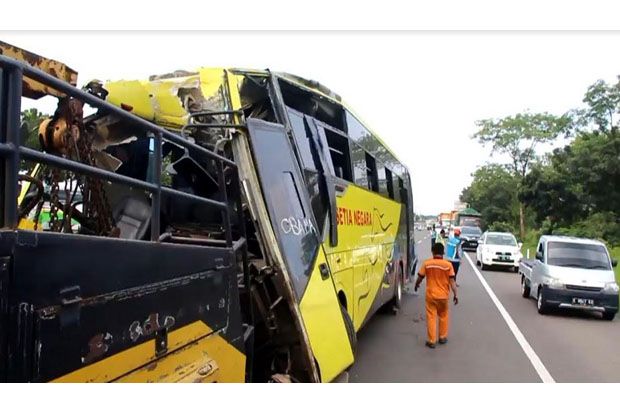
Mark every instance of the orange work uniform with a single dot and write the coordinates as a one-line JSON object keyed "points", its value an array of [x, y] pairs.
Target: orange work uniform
{"points": [[437, 272]]}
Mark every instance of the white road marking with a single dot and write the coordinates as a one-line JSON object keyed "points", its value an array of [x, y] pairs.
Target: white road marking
{"points": [[540, 368], [419, 241]]}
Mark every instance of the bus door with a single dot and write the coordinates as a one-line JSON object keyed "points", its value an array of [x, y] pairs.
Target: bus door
{"points": [[294, 225]]}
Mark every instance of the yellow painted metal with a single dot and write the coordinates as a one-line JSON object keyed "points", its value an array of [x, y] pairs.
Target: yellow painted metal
{"points": [[31, 88], [166, 100], [367, 230], [133, 93], [211, 359], [324, 323], [189, 346], [26, 223]]}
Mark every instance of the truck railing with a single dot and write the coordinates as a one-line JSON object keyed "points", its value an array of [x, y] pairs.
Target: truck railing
{"points": [[12, 73]]}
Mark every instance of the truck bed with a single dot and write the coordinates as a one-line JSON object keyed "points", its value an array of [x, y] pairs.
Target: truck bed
{"points": [[71, 301]]}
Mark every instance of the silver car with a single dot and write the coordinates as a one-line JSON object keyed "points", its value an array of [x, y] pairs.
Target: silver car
{"points": [[571, 273]]}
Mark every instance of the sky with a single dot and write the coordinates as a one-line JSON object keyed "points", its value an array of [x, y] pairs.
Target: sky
{"points": [[421, 92]]}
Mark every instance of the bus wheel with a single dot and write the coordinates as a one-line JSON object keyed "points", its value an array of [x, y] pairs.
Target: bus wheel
{"points": [[348, 323]]}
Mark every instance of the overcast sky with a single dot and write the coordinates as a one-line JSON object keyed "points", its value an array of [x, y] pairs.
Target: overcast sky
{"points": [[421, 92]]}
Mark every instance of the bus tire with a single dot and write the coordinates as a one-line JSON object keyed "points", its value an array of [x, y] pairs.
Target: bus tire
{"points": [[348, 323]]}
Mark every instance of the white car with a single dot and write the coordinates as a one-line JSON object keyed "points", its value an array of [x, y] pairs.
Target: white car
{"points": [[498, 249]]}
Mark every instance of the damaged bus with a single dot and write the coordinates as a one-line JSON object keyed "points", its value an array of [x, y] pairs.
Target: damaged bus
{"points": [[218, 225]]}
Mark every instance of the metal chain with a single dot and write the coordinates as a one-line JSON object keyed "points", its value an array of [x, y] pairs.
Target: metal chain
{"points": [[95, 200]]}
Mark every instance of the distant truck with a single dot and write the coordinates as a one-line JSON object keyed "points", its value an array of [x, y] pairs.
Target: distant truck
{"points": [[467, 217], [572, 273]]}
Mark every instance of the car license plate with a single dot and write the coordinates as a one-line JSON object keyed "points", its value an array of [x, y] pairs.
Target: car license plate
{"points": [[583, 301]]}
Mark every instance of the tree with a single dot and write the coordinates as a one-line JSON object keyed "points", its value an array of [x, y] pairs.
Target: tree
{"points": [[603, 102], [491, 193], [29, 130], [517, 136], [551, 194], [31, 119]]}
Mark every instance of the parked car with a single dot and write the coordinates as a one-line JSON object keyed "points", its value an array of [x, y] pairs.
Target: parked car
{"points": [[571, 273], [470, 237], [499, 249]]}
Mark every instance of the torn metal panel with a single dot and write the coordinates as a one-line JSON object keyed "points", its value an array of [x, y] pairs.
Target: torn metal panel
{"points": [[169, 99], [31, 88]]}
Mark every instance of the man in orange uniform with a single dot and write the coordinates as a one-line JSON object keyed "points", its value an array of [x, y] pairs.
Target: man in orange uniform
{"points": [[440, 279]]}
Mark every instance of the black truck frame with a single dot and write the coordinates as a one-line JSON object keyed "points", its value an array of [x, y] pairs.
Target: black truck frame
{"points": [[70, 301]]}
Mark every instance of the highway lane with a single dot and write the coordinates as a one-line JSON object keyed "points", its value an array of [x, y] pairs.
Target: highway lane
{"points": [[572, 346], [481, 347]]}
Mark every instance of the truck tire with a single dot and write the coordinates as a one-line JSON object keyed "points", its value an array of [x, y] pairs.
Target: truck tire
{"points": [[525, 288], [483, 266], [608, 315], [348, 323], [541, 303]]}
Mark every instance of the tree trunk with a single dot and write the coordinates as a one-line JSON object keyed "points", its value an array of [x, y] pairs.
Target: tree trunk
{"points": [[521, 220]]}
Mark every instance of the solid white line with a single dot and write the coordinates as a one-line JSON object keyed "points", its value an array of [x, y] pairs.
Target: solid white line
{"points": [[540, 368]]}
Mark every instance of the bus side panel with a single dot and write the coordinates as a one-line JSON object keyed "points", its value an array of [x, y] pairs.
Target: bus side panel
{"points": [[325, 324], [368, 226]]}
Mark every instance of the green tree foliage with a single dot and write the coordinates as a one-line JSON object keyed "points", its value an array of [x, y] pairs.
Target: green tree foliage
{"points": [[31, 119], [517, 137], [492, 194], [600, 225], [603, 101], [575, 190], [29, 130], [550, 195]]}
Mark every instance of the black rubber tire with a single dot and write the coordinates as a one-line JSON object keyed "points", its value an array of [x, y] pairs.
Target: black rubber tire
{"points": [[541, 304], [525, 289], [393, 305], [609, 315], [348, 323], [483, 266]]}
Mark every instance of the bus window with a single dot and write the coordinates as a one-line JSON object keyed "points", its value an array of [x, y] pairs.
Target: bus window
{"points": [[301, 138], [359, 165], [309, 158], [388, 183], [371, 171], [382, 180], [340, 155], [355, 129], [398, 189]]}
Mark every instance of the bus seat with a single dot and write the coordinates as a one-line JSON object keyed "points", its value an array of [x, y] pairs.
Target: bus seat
{"points": [[132, 216]]}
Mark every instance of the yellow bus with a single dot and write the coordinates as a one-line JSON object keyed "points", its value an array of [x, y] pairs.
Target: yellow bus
{"points": [[307, 212]]}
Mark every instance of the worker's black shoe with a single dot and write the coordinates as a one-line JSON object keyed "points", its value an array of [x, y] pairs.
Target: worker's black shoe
{"points": [[443, 340], [430, 345]]}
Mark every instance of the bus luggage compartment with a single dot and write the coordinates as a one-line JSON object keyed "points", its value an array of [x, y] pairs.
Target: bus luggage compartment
{"points": [[82, 308]]}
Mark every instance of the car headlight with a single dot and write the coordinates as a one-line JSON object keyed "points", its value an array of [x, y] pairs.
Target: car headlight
{"points": [[554, 283], [611, 287]]}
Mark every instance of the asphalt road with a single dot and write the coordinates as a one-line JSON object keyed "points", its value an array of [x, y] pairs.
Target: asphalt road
{"points": [[566, 346]]}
